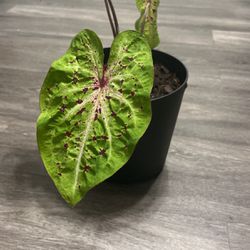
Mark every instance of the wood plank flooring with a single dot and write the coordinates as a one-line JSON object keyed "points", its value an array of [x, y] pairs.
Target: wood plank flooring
{"points": [[202, 198]]}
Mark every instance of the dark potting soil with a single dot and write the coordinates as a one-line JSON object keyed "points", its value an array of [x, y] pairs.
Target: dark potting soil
{"points": [[164, 81]]}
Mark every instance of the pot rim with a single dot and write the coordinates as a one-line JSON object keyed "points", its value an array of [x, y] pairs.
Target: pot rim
{"points": [[183, 84]]}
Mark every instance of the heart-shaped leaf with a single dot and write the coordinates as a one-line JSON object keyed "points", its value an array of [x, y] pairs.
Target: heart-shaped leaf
{"points": [[147, 22], [92, 115]]}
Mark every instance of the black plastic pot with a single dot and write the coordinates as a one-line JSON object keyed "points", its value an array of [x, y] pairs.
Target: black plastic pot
{"points": [[151, 151]]}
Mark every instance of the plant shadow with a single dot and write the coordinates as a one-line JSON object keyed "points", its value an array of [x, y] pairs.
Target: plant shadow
{"points": [[104, 202]]}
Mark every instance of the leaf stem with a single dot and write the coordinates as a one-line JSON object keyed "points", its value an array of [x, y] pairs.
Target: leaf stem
{"points": [[145, 16], [112, 17]]}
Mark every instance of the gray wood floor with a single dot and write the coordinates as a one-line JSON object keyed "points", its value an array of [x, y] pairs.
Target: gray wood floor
{"points": [[202, 198]]}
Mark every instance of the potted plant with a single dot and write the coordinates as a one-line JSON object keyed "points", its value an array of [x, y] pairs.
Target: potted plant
{"points": [[97, 104]]}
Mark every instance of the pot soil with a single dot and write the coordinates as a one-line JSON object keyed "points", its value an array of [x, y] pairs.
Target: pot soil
{"points": [[151, 151], [165, 81]]}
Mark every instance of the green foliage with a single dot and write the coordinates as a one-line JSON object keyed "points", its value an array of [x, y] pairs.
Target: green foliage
{"points": [[147, 22], [92, 115]]}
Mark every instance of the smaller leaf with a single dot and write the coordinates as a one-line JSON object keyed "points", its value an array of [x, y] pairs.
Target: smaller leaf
{"points": [[147, 22]]}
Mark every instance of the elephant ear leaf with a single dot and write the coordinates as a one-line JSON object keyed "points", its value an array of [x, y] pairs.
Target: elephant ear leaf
{"points": [[93, 114], [147, 22]]}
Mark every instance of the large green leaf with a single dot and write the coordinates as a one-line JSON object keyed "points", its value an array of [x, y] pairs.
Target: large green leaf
{"points": [[92, 115], [147, 22]]}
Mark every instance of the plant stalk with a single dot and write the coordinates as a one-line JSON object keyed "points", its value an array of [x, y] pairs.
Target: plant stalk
{"points": [[112, 17]]}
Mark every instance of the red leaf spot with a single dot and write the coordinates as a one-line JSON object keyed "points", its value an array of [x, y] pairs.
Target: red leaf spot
{"points": [[104, 137], [86, 168], [74, 80], [79, 101], [108, 97], [132, 93], [120, 90], [85, 90], [63, 107], [66, 145], [113, 114], [81, 111], [68, 133], [94, 138], [102, 152]]}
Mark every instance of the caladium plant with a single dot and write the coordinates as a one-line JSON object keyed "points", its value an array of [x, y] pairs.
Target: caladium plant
{"points": [[92, 113], [147, 22]]}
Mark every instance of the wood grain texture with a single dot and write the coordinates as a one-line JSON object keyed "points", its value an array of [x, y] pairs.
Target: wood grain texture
{"points": [[202, 198]]}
